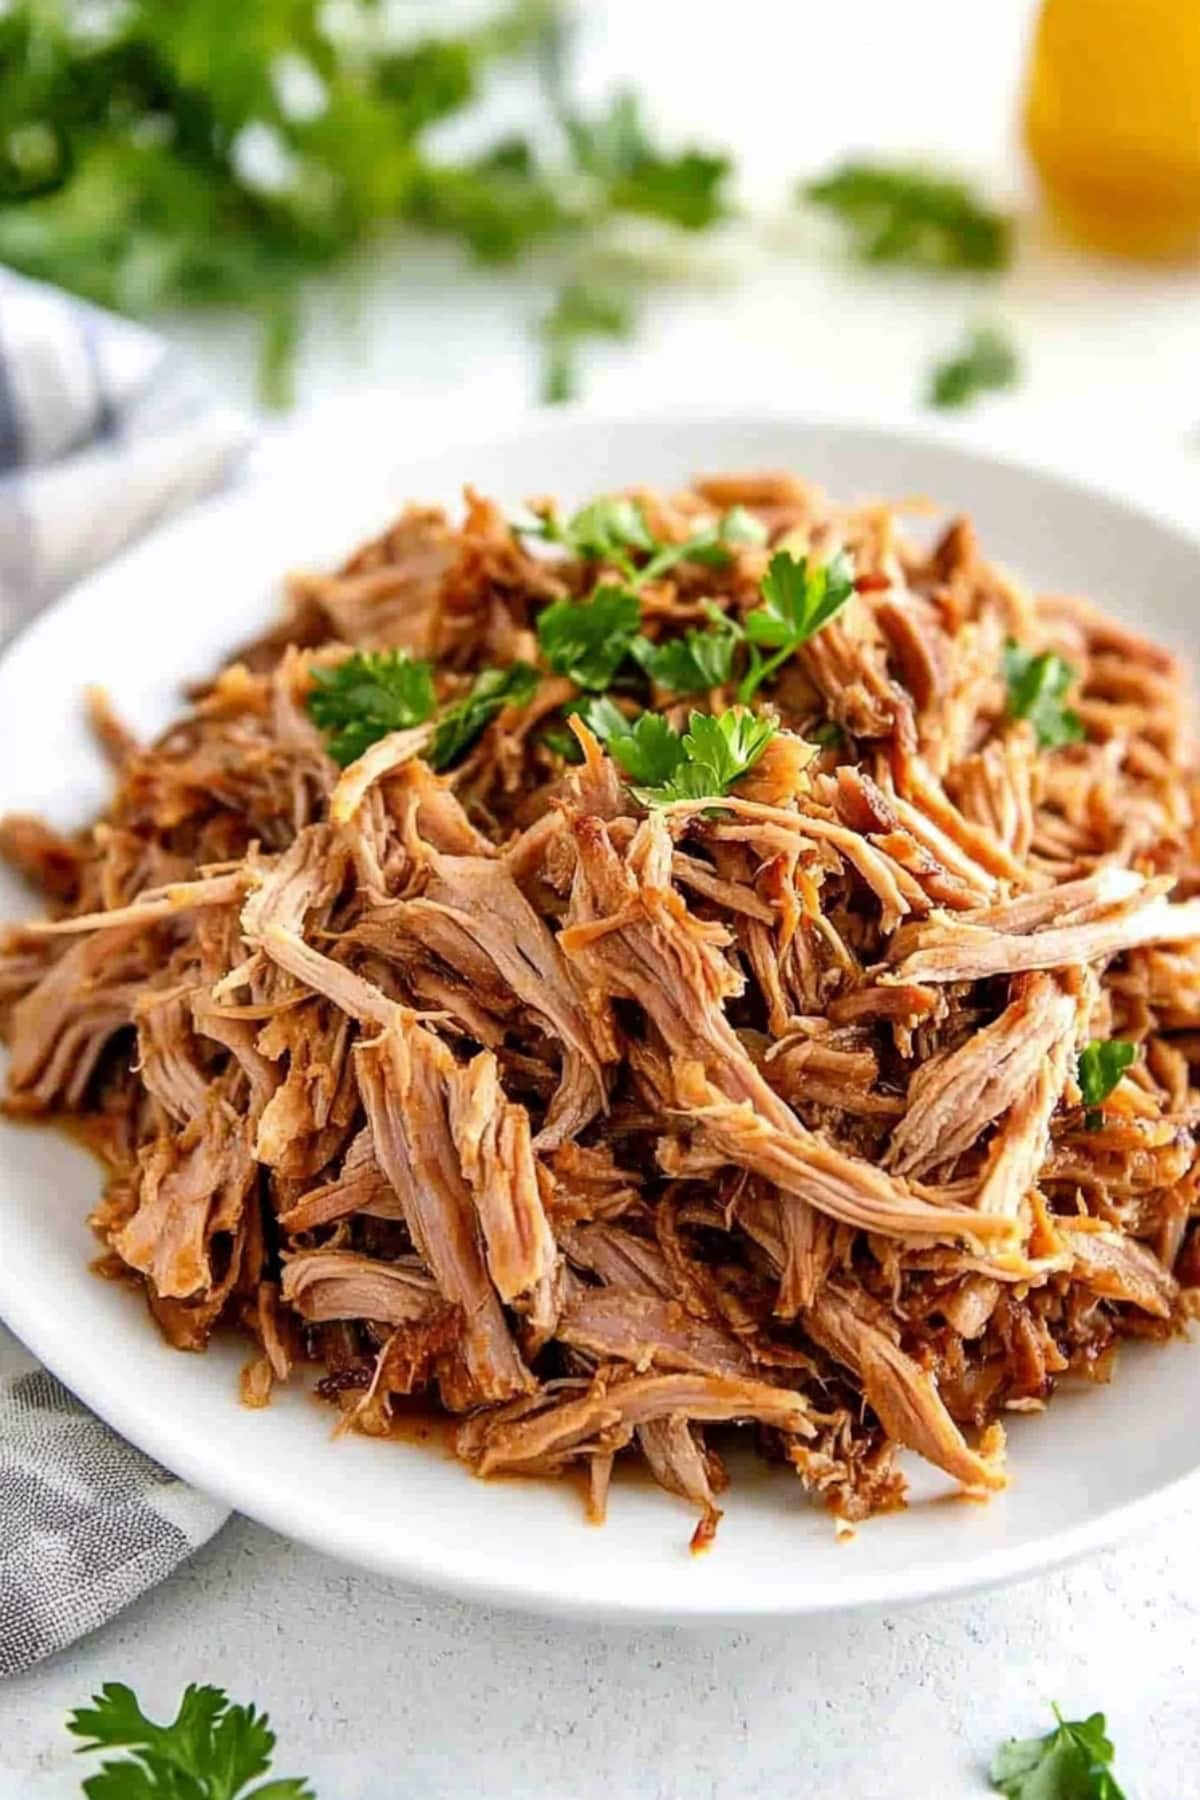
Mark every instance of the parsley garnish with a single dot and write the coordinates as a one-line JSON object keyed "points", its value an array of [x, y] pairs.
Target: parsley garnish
{"points": [[1072, 1762], [368, 695], [463, 720], [702, 763], [601, 716], [211, 1751], [1099, 1067], [375, 692], [1037, 687], [697, 661], [986, 361], [900, 213], [588, 640], [614, 528], [581, 311], [799, 597], [709, 545]]}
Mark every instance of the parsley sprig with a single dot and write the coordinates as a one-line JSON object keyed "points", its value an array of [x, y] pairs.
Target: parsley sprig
{"points": [[370, 694], [375, 692], [1099, 1067], [799, 597], [1037, 687], [614, 530], [901, 213], [697, 661], [463, 720], [212, 1750], [986, 361], [582, 310], [1072, 1762], [702, 763], [588, 640]]}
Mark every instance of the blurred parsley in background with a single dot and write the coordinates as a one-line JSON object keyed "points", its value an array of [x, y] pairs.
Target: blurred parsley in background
{"points": [[163, 153]]}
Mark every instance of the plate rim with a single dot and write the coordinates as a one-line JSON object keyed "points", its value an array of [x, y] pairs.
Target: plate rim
{"points": [[429, 1566]]}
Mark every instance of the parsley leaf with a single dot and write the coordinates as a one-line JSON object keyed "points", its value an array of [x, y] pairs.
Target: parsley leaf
{"points": [[649, 751], [580, 311], [615, 150], [211, 1751], [798, 599], [588, 640], [710, 545], [986, 361], [368, 695], [1100, 1066], [605, 530], [905, 214], [602, 717], [1071, 1762], [692, 664], [157, 159], [716, 751], [1037, 687], [462, 721], [499, 203], [612, 528]]}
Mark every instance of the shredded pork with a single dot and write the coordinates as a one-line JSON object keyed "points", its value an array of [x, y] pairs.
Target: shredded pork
{"points": [[606, 1127]]}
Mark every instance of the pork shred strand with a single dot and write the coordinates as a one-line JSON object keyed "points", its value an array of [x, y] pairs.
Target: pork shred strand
{"points": [[609, 1128]]}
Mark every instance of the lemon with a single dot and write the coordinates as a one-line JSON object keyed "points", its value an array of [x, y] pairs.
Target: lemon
{"points": [[1112, 121]]}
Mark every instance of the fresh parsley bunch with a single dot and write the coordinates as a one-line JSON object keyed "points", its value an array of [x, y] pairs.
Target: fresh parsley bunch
{"points": [[152, 157], [212, 1750]]}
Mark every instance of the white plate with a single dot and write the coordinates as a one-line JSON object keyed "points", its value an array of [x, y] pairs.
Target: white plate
{"points": [[1095, 1466]]}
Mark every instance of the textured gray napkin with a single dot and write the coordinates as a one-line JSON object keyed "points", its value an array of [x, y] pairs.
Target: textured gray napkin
{"points": [[103, 432]]}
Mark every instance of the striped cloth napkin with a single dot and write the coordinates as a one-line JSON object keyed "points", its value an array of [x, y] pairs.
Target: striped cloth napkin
{"points": [[103, 432]]}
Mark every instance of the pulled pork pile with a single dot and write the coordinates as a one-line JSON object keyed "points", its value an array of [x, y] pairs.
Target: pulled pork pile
{"points": [[602, 1122]]}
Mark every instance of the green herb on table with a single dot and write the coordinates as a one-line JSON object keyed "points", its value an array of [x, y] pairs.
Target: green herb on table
{"points": [[369, 695], [1099, 1067], [799, 597], [463, 720], [212, 1750], [581, 311], [616, 151], [901, 213], [152, 158], [702, 763], [588, 640], [986, 363], [1072, 1762], [1037, 687]]}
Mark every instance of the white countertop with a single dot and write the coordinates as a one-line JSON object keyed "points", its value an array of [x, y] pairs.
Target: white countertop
{"points": [[377, 1691]]}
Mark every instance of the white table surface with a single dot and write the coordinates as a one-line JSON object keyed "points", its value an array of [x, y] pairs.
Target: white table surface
{"points": [[378, 1691]]}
